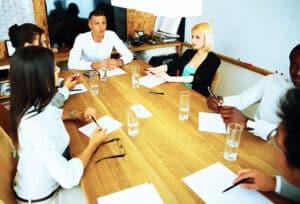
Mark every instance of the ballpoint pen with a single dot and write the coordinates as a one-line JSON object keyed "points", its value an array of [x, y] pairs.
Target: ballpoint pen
{"points": [[245, 180], [95, 121], [154, 92], [211, 93], [76, 90]]}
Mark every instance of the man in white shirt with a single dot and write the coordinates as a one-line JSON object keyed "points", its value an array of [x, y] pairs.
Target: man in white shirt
{"points": [[286, 143], [92, 50], [267, 92]]}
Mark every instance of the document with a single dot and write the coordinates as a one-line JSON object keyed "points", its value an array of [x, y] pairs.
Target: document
{"points": [[144, 193], [141, 111], [151, 81], [209, 183], [106, 122], [115, 72], [211, 122], [79, 88]]}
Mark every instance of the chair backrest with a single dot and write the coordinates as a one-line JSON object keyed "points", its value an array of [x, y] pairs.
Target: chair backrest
{"points": [[7, 169], [215, 81]]}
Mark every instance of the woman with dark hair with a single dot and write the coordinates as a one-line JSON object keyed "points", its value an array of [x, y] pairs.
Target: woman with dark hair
{"points": [[286, 142], [43, 173]]}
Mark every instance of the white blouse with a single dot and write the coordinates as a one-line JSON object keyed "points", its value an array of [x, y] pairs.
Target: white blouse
{"points": [[41, 167]]}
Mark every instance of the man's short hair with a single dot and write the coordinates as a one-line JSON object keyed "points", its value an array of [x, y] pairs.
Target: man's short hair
{"points": [[96, 12], [290, 115]]}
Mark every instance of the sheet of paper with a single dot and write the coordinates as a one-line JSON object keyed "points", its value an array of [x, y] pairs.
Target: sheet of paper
{"points": [[141, 111], [151, 81], [106, 122], [81, 88], [211, 122], [115, 72], [209, 183], [144, 193]]}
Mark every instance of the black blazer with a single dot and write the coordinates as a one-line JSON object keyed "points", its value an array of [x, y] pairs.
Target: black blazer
{"points": [[204, 73]]}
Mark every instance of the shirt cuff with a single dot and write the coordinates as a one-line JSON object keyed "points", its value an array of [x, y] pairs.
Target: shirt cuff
{"points": [[278, 184], [65, 92]]}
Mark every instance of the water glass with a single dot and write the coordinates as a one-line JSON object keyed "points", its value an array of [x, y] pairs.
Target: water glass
{"points": [[135, 76], [184, 105], [103, 73], [132, 122], [94, 81], [232, 142]]}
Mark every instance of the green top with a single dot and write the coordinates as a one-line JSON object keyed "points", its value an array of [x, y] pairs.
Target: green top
{"points": [[187, 71]]}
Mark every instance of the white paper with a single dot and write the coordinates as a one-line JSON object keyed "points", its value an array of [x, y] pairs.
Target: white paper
{"points": [[151, 81], [114, 72], [144, 193], [106, 122], [141, 111], [211, 122], [209, 183], [78, 86]]}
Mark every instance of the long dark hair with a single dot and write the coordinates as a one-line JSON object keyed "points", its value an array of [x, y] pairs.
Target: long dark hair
{"points": [[32, 83], [26, 32]]}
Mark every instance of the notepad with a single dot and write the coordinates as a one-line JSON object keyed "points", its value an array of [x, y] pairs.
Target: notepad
{"points": [[209, 183], [211, 122], [151, 81], [114, 72], [106, 122], [81, 88], [144, 193], [141, 111]]}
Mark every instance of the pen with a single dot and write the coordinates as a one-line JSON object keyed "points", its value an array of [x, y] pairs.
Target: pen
{"points": [[95, 121], [76, 90], [149, 71], [154, 92], [245, 180], [211, 93]]}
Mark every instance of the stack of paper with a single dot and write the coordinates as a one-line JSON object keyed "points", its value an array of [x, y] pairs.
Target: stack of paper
{"points": [[151, 81], [106, 122], [211, 122], [210, 182], [141, 111], [144, 193]]}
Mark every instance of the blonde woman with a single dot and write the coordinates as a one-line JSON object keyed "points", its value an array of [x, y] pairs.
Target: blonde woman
{"points": [[196, 66]]}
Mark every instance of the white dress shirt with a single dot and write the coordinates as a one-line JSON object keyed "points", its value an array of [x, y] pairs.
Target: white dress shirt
{"points": [[86, 50], [268, 92], [286, 189], [41, 167]]}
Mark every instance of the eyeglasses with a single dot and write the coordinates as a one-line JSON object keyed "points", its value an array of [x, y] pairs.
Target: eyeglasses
{"points": [[272, 141], [121, 147]]}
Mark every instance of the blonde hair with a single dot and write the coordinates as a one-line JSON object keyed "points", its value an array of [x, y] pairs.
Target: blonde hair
{"points": [[206, 29]]}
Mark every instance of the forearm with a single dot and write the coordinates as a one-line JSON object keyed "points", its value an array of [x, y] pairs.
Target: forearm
{"points": [[186, 79], [87, 153]]}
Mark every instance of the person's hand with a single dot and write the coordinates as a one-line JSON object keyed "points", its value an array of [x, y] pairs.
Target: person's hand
{"points": [[214, 104], [165, 76], [233, 115], [85, 116], [157, 70], [113, 63], [261, 180], [98, 137], [98, 65], [69, 82]]}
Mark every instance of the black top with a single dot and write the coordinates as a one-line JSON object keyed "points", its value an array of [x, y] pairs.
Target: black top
{"points": [[204, 73]]}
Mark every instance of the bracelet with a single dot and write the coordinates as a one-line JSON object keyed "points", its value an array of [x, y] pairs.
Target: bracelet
{"points": [[72, 114]]}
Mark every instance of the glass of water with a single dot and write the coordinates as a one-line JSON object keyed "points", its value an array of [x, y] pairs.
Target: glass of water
{"points": [[103, 73], [94, 81], [184, 105], [135, 76], [132, 121], [232, 142]]}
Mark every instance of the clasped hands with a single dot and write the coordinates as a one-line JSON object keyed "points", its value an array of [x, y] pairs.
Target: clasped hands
{"points": [[160, 72], [107, 63], [229, 114]]}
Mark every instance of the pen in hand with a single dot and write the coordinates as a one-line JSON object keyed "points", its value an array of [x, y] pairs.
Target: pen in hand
{"points": [[95, 121], [76, 90], [245, 180], [211, 93]]}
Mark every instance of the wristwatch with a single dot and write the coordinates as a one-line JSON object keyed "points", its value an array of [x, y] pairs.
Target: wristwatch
{"points": [[251, 124]]}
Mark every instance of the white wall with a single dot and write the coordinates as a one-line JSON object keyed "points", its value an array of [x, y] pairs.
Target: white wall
{"points": [[260, 32]]}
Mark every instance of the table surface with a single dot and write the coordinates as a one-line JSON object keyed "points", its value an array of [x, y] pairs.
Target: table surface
{"points": [[165, 150]]}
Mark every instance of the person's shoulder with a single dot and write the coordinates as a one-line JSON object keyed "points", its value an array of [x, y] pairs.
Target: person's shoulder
{"points": [[111, 34], [84, 35], [212, 56]]}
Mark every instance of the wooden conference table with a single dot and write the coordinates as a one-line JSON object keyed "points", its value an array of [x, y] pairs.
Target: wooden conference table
{"points": [[165, 150]]}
